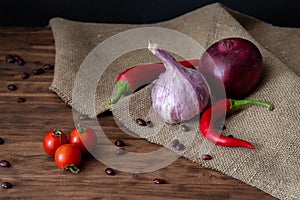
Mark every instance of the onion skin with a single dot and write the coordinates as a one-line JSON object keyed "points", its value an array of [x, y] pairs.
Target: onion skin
{"points": [[179, 93], [233, 64]]}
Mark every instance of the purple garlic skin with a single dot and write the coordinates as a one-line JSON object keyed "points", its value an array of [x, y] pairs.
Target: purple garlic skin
{"points": [[179, 93]]}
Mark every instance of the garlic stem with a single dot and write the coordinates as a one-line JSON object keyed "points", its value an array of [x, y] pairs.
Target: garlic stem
{"points": [[152, 47]]}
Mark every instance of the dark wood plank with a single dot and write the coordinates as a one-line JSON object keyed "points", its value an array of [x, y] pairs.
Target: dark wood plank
{"points": [[34, 175]]}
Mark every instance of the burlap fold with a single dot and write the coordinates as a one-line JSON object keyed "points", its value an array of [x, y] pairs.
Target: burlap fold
{"points": [[273, 165]]}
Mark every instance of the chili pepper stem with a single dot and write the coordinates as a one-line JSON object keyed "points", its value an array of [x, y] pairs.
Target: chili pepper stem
{"points": [[123, 88], [236, 104]]}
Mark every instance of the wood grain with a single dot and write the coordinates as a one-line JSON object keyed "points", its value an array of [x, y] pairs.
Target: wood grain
{"points": [[34, 175]]}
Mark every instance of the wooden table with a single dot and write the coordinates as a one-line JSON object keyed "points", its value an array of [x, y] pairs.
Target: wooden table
{"points": [[34, 175]]}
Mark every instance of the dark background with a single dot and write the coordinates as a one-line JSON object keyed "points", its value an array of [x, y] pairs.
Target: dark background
{"points": [[39, 12]]}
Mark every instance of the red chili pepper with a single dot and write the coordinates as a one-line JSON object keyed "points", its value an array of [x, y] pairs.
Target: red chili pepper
{"points": [[135, 77], [219, 109]]}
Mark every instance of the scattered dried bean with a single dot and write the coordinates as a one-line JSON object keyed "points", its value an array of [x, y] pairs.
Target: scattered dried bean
{"points": [[149, 123], [206, 157], [141, 122], [185, 128], [21, 61], [4, 163], [14, 58], [1, 141], [17, 57], [12, 87], [109, 171], [174, 143], [6, 185], [25, 75], [159, 181], [180, 147], [48, 67], [9, 59], [83, 117], [120, 143], [20, 100], [38, 71], [120, 151]]}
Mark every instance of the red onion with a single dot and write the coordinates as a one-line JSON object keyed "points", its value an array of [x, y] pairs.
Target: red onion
{"points": [[234, 64], [179, 93]]}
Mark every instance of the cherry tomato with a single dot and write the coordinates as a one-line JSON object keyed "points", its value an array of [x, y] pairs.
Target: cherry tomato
{"points": [[84, 138], [68, 157], [52, 140]]}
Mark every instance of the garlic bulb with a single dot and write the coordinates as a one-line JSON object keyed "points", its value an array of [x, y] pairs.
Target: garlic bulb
{"points": [[179, 93]]}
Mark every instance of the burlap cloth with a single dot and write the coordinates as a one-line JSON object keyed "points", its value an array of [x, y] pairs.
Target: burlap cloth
{"points": [[273, 166]]}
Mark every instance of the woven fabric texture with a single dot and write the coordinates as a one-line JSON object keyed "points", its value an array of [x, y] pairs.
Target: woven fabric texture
{"points": [[273, 166]]}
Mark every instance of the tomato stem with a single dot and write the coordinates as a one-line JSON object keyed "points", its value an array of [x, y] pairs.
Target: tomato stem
{"points": [[72, 168], [80, 128], [57, 133]]}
